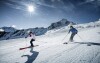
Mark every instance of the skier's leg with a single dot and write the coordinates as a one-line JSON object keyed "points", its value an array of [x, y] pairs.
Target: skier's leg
{"points": [[72, 36], [31, 43]]}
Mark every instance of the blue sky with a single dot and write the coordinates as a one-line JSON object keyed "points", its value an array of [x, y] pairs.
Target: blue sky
{"points": [[14, 12]]}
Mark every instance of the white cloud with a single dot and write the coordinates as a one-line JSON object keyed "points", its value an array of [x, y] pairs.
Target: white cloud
{"points": [[22, 4]]}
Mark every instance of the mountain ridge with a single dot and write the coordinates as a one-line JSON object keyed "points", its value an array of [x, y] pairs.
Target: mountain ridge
{"points": [[11, 33]]}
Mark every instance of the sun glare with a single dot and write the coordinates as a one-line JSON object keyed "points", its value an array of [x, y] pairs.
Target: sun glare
{"points": [[31, 8]]}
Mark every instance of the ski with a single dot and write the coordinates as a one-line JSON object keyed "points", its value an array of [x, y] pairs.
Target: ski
{"points": [[65, 43], [27, 47], [68, 42]]}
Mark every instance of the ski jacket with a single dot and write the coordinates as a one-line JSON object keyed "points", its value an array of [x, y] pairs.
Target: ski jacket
{"points": [[31, 36], [73, 30]]}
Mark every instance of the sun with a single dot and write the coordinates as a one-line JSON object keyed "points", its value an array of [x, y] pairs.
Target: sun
{"points": [[31, 8]]}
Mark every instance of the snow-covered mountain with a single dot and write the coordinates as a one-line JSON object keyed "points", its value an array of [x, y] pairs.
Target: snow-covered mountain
{"points": [[12, 33], [59, 24], [8, 29], [57, 27], [78, 26], [84, 49]]}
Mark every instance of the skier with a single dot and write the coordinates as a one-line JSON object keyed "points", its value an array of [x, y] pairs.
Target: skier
{"points": [[74, 31], [32, 37]]}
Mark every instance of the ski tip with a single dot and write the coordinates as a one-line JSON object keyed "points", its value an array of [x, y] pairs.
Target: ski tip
{"points": [[20, 49]]}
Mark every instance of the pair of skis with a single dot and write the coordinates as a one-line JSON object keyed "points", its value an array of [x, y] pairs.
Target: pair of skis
{"points": [[35, 46], [27, 47]]}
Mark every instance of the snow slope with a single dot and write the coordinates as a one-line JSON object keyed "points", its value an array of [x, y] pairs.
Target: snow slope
{"points": [[51, 49]]}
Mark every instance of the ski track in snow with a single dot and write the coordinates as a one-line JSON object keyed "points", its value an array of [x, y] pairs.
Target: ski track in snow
{"points": [[51, 49]]}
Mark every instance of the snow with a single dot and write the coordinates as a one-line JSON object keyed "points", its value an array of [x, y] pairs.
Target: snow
{"points": [[51, 48], [1, 30]]}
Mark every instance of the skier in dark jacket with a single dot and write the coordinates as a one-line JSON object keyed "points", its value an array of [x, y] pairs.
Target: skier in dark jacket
{"points": [[32, 37], [74, 32]]}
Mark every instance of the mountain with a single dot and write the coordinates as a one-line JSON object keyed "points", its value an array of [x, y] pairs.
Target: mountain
{"points": [[8, 29], [12, 33], [59, 24], [78, 26]]}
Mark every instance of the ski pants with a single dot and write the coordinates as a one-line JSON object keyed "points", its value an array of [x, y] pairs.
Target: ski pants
{"points": [[72, 36], [31, 42]]}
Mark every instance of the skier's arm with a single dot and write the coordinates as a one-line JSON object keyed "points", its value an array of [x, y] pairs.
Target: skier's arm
{"points": [[76, 31], [26, 36]]}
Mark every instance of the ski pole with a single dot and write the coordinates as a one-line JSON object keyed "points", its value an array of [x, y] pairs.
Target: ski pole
{"points": [[64, 37], [80, 38], [25, 41]]}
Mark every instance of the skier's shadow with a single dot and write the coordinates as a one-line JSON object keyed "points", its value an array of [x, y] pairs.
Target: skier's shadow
{"points": [[32, 57], [88, 43]]}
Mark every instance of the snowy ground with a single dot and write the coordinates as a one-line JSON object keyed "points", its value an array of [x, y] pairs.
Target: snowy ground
{"points": [[51, 49]]}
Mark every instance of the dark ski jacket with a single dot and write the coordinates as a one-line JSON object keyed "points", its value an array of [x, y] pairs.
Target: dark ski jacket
{"points": [[73, 30]]}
